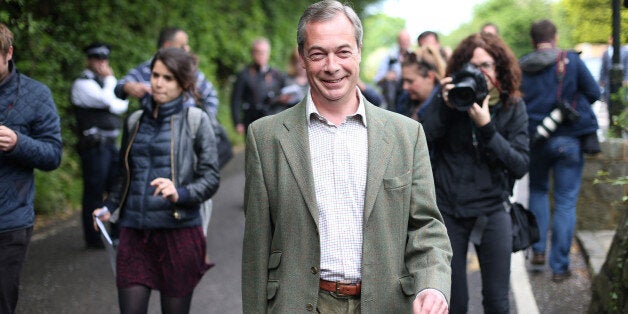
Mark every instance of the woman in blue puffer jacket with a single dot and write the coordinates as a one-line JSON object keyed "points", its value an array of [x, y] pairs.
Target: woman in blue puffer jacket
{"points": [[165, 174]]}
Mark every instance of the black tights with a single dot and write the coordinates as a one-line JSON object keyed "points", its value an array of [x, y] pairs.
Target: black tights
{"points": [[134, 300]]}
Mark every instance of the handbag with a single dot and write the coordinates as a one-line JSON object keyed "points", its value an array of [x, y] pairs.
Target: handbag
{"points": [[590, 144], [223, 145], [525, 230]]}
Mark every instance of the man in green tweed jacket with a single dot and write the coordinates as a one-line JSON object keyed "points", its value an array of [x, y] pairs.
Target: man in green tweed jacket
{"points": [[339, 199]]}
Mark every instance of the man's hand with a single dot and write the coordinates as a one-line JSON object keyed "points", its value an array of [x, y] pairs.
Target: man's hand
{"points": [[8, 139], [240, 128], [166, 188], [430, 301], [103, 69], [136, 89]]}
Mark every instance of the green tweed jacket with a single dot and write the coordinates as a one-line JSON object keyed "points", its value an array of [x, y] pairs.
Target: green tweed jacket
{"points": [[405, 244]]}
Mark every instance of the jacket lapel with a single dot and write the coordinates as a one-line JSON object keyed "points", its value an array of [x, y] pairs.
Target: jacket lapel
{"points": [[379, 155], [296, 148]]}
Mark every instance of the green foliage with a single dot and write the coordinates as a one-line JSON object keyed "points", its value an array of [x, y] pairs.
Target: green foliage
{"points": [[604, 177], [513, 17], [620, 121], [50, 35], [380, 35], [592, 20]]}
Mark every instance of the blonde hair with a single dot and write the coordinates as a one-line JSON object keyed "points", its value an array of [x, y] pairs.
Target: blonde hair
{"points": [[431, 55], [6, 39], [426, 59]]}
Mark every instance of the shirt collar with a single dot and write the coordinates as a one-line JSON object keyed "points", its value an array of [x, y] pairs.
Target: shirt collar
{"points": [[310, 108]]}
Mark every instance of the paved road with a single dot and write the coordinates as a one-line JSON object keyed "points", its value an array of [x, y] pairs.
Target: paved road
{"points": [[60, 276]]}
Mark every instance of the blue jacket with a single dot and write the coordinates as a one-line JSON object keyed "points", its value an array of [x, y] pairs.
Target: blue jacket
{"points": [[26, 107], [540, 85], [164, 147]]}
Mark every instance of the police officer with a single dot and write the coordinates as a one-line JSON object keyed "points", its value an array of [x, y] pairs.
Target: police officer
{"points": [[98, 113]]}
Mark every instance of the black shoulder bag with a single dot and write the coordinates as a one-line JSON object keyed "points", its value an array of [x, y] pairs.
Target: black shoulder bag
{"points": [[525, 230]]}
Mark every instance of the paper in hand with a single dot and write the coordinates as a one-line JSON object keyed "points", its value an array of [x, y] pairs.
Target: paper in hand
{"points": [[106, 240]]}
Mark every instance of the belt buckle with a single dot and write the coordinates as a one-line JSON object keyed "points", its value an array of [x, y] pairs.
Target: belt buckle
{"points": [[337, 290]]}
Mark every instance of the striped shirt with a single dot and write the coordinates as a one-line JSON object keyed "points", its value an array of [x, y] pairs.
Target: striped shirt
{"points": [[339, 164]]}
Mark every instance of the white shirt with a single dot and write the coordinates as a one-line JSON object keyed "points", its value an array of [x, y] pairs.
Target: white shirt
{"points": [[86, 93], [339, 164]]}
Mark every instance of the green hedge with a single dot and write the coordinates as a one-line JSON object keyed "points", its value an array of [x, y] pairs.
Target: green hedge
{"points": [[50, 35]]}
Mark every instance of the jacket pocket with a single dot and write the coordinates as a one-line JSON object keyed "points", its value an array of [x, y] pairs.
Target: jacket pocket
{"points": [[271, 289], [274, 260], [398, 182], [407, 285]]}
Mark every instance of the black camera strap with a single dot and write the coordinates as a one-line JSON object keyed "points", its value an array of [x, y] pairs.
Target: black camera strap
{"points": [[474, 138]]}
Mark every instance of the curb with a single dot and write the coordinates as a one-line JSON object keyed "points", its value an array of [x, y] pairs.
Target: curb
{"points": [[595, 246]]}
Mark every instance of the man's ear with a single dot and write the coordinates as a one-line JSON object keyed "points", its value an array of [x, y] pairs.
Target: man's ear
{"points": [[359, 53], [9, 55], [301, 60]]}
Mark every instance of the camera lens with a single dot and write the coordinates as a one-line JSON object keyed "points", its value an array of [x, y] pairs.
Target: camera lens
{"points": [[469, 87], [462, 96]]}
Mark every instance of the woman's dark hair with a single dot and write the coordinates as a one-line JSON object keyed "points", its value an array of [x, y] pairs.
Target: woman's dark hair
{"points": [[506, 64], [183, 66]]}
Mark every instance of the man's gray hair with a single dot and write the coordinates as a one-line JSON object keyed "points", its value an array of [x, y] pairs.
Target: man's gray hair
{"points": [[325, 11]]}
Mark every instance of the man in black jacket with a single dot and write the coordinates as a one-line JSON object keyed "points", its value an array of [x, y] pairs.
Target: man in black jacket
{"points": [[257, 91]]}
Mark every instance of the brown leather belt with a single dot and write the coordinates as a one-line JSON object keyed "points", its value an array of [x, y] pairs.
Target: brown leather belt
{"points": [[341, 288]]}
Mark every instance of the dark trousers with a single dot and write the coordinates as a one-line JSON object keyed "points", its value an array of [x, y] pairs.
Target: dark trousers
{"points": [[13, 247], [99, 164], [493, 255]]}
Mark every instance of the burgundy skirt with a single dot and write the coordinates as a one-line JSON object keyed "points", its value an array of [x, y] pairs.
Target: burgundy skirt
{"points": [[169, 260]]}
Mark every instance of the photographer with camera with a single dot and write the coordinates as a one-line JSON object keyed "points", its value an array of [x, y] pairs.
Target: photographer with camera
{"points": [[559, 90], [388, 76], [477, 132]]}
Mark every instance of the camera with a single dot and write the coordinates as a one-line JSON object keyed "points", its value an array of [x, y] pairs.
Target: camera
{"points": [[470, 87], [562, 113]]}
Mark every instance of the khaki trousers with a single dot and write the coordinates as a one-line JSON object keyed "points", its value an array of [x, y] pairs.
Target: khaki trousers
{"points": [[330, 303]]}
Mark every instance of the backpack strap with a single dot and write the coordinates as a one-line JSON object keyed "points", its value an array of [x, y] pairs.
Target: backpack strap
{"points": [[194, 115], [133, 120]]}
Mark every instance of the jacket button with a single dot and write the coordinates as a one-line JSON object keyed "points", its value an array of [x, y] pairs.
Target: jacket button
{"points": [[309, 307], [314, 270]]}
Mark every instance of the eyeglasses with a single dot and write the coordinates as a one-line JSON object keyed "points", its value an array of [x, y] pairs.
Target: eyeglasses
{"points": [[486, 66]]}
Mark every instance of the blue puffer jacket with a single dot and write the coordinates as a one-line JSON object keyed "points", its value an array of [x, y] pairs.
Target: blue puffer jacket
{"points": [[26, 107], [162, 146], [540, 85]]}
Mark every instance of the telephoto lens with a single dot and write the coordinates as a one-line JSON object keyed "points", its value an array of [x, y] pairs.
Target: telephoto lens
{"points": [[547, 126]]}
